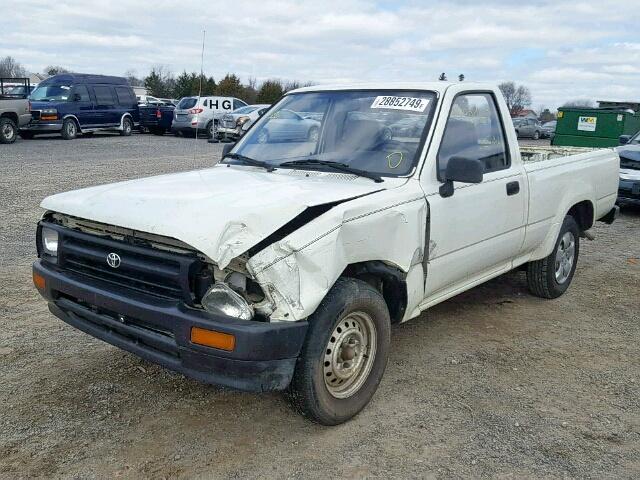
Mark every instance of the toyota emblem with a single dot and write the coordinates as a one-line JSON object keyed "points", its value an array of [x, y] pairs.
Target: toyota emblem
{"points": [[113, 260]]}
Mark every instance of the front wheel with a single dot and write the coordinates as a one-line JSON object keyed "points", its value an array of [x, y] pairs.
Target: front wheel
{"points": [[344, 355], [127, 127], [8, 130], [551, 276], [69, 129], [536, 135]]}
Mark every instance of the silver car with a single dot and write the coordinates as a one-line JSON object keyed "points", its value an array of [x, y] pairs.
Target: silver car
{"points": [[528, 127], [287, 125], [233, 125], [193, 115]]}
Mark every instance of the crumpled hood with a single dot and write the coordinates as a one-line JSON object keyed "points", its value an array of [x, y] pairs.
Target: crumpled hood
{"points": [[221, 211]]}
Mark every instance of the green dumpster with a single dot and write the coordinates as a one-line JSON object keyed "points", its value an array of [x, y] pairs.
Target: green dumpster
{"points": [[593, 127]]}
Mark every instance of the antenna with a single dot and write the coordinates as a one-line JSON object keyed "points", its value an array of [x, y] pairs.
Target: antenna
{"points": [[195, 146]]}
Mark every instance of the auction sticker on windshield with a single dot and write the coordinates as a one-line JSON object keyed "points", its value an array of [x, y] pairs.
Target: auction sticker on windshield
{"points": [[412, 104]]}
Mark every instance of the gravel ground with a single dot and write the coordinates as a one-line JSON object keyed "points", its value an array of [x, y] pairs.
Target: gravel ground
{"points": [[494, 383]]}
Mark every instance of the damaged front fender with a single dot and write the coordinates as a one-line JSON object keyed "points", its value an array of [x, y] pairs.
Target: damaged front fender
{"points": [[297, 271]]}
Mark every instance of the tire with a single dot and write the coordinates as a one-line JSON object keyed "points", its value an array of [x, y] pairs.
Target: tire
{"points": [[69, 129], [8, 130], [352, 311], [312, 135], [157, 131], [551, 276], [536, 135], [127, 127], [26, 135], [211, 130]]}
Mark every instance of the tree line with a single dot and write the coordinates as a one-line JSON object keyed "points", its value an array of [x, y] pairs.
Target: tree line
{"points": [[162, 83]]}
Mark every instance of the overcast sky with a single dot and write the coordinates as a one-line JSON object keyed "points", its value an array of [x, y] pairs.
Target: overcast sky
{"points": [[561, 49]]}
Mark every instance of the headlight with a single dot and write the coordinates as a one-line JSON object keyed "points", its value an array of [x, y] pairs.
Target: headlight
{"points": [[221, 299], [49, 114], [242, 120], [49, 241]]}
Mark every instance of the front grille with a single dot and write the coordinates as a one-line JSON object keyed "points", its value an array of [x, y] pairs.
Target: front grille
{"points": [[141, 268], [228, 124]]}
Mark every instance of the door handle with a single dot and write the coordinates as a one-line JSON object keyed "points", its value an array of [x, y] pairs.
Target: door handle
{"points": [[513, 188]]}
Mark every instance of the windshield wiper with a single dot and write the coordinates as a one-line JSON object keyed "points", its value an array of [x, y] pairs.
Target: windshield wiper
{"points": [[250, 161], [343, 167]]}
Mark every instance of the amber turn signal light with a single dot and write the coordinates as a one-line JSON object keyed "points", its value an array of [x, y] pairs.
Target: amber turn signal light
{"points": [[211, 338], [39, 281]]}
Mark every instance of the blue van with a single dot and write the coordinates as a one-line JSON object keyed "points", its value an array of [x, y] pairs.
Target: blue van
{"points": [[73, 103]]}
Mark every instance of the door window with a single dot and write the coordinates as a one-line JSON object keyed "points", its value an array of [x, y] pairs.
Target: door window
{"points": [[103, 95], [474, 130], [124, 96], [82, 91], [238, 104]]}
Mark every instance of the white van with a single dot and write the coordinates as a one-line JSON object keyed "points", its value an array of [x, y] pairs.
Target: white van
{"points": [[194, 115]]}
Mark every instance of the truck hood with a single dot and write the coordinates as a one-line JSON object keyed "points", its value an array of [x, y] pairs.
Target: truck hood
{"points": [[221, 211]]}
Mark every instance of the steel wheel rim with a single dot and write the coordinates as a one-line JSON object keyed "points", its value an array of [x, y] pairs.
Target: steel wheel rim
{"points": [[127, 126], [71, 128], [349, 354], [565, 257], [7, 131]]}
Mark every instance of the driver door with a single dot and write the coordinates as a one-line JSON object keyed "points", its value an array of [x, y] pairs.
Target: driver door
{"points": [[476, 232]]}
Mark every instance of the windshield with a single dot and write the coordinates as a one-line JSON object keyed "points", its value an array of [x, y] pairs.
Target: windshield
{"points": [[51, 93], [374, 131], [244, 109]]}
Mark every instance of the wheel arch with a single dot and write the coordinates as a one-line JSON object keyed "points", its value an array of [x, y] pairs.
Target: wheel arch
{"points": [[125, 115], [75, 119], [388, 279], [11, 116]]}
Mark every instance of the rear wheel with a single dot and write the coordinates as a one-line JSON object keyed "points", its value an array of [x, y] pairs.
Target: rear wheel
{"points": [[8, 130], [344, 355], [551, 276], [69, 129], [211, 129], [127, 127]]}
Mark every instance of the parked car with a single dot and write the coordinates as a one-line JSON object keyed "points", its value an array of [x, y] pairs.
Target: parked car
{"points": [[74, 103], [285, 125], [148, 100], [629, 186], [233, 125], [193, 115], [156, 119], [284, 265], [548, 129], [527, 128], [15, 109]]}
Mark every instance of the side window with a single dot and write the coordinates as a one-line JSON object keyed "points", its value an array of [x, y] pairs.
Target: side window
{"points": [[83, 92], [124, 96], [238, 104], [474, 130], [103, 95]]}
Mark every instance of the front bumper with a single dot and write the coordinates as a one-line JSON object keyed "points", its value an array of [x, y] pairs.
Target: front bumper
{"points": [[629, 190], [44, 127], [229, 132], [159, 331]]}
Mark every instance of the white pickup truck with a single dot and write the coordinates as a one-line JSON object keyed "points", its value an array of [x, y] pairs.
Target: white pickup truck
{"points": [[284, 265]]}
